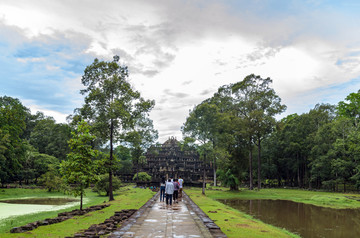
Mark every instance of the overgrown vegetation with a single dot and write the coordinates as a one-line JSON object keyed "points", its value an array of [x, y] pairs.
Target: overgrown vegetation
{"points": [[125, 198]]}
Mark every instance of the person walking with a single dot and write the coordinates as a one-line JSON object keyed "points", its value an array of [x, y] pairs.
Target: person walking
{"points": [[181, 182], [169, 190], [176, 190], [162, 190]]}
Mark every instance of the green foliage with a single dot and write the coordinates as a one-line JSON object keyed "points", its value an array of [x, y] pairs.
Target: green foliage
{"points": [[79, 170], [111, 104], [102, 185], [52, 180], [350, 108], [139, 139], [228, 179], [142, 176], [51, 138], [12, 148]]}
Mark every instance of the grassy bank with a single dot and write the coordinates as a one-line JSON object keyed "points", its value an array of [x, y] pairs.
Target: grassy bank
{"points": [[238, 224], [323, 199], [125, 198], [231, 221]]}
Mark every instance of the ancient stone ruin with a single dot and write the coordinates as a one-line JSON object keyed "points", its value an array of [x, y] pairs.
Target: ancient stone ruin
{"points": [[168, 160]]}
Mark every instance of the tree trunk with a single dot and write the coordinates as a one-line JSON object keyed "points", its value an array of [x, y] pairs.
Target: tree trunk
{"points": [[214, 170], [81, 200], [137, 171], [250, 170], [259, 164], [111, 195], [298, 171], [204, 174]]}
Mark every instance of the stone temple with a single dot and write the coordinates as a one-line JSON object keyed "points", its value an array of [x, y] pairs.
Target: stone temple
{"points": [[168, 160]]}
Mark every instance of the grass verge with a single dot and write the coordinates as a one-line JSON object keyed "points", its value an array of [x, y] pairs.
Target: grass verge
{"points": [[231, 221], [317, 198], [125, 198], [238, 224]]}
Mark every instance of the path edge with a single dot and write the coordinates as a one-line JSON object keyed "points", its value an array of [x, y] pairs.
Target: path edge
{"points": [[214, 229], [126, 226]]}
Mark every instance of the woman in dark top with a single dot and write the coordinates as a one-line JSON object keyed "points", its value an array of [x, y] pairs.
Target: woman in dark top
{"points": [[162, 190]]}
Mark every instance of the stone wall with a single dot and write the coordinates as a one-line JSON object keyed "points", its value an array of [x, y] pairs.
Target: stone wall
{"points": [[168, 161]]}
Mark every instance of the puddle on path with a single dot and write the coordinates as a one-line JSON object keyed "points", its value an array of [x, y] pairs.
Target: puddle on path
{"points": [[304, 219]]}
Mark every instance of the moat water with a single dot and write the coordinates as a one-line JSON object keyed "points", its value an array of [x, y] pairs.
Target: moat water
{"points": [[303, 219], [18, 207]]}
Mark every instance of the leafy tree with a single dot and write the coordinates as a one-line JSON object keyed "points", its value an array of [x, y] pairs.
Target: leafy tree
{"points": [[139, 139], [4, 143], [12, 127], [123, 154], [228, 179], [35, 164], [79, 170], [111, 105], [257, 105], [200, 126], [102, 186], [350, 108], [142, 176], [51, 138], [52, 180]]}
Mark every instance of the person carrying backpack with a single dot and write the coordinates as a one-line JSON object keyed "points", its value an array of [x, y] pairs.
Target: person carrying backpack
{"points": [[176, 190]]}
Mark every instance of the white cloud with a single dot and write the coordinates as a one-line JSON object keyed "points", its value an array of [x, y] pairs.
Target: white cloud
{"points": [[58, 116], [180, 52]]}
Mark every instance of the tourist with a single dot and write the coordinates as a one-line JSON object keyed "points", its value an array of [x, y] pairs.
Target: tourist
{"points": [[176, 190], [169, 190], [181, 182], [162, 190]]}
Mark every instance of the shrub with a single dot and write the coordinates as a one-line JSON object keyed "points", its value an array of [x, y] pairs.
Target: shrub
{"points": [[143, 177], [102, 186]]}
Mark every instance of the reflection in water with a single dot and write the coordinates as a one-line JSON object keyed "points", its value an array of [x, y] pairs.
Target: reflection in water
{"points": [[40, 201], [18, 207], [303, 219]]}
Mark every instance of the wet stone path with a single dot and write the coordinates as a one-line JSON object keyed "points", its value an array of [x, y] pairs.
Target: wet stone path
{"points": [[160, 220]]}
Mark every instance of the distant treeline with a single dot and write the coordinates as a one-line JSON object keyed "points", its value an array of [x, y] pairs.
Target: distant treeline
{"points": [[236, 130]]}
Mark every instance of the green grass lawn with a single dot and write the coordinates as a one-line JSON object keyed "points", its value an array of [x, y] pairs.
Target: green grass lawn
{"points": [[125, 198], [238, 224]]}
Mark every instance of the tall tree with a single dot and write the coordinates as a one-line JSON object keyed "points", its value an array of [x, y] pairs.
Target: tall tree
{"points": [[12, 126], [201, 125], [350, 108], [111, 104], [139, 139], [79, 169], [257, 104]]}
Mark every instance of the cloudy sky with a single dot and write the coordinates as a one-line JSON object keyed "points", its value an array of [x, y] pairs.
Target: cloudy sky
{"points": [[179, 51]]}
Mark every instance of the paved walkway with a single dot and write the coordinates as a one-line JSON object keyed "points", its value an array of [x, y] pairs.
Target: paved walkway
{"points": [[160, 220]]}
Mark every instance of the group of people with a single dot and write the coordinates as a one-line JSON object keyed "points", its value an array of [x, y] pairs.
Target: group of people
{"points": [[171, 190]]}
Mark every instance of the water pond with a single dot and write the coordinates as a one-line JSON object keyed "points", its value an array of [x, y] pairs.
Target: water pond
{"points": [[17, 207], [303, 219]]}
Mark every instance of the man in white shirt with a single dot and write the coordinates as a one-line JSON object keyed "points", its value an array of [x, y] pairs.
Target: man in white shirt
{"points": [[181, 181], [169, 190]]}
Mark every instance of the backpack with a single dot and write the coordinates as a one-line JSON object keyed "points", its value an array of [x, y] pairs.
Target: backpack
{"points": [[177, 186]]}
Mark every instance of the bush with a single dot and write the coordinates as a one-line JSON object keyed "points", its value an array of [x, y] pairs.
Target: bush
{"points": [[102, 186], [143, 177]]}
